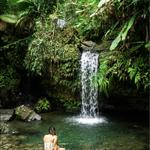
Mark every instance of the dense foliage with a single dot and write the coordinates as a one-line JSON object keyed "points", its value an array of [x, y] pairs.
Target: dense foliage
{"points": [[128, 56], [43, 37], [42, 105]]}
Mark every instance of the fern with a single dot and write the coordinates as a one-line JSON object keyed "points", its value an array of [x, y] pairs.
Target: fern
{"points": [[103, 81], [137, 79], [132, 72]]}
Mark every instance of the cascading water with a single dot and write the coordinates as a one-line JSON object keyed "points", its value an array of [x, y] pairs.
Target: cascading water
{"points": [[89, 111], [89, 66]]}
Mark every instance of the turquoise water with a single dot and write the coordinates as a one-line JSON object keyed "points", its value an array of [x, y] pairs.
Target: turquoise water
{"points": [[111, 134]]}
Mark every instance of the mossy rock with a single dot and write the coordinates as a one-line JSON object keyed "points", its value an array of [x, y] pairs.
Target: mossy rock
{"points": [[27, 114]]}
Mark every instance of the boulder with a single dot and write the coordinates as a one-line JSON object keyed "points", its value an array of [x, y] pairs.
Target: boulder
{"points": [[88, 45], [6, 114], [27, 114]]}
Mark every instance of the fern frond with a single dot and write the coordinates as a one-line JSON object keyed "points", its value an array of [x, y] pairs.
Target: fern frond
{"points": [[132, 72]]}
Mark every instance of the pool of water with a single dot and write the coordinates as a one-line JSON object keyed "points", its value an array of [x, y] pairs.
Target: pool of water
{"points": [[106, 133]]}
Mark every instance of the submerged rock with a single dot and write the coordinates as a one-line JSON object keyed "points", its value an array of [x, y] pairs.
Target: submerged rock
{"points": [[4, 128], [27, 114]]}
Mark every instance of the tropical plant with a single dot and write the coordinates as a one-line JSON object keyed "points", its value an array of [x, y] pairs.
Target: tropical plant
{"points": [[42, 105], [102, 77], [23, 12], [127, 58], [52, 52], [48, 48], [98, 20]]}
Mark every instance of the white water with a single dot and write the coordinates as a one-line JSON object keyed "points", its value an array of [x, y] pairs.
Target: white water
{"points": [[89, 66], [89, 110], [89, 121]]}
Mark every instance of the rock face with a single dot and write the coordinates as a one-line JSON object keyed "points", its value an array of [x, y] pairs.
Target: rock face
{"points": [[88, 45], [26, 114], [6, 114], [95, 47]]}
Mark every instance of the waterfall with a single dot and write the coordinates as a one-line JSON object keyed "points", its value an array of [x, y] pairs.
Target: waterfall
{"points": [[89, 111], [89, 66]]}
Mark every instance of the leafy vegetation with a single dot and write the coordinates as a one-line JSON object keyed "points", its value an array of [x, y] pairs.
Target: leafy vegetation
{"points": [[109, 21], [129, 61], [42, 38], [42, 105], [48, 47]]}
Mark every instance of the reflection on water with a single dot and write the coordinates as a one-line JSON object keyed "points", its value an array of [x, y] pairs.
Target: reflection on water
{"points": [[106, 134], [87, 120]]}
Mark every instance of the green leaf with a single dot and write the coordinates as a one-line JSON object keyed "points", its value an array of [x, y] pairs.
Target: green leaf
{"points": [[123, 34], [115, 43], [137, 78], [127, 26], [9, 18], [147, 45], [132, 72], [24, 1], [102, 2]]}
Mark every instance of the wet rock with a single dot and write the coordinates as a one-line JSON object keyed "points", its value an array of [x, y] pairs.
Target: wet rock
{"points": [[95, 47], [6, 114], [88, 45], [34, 116], [61, 23], [27, 114]]}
